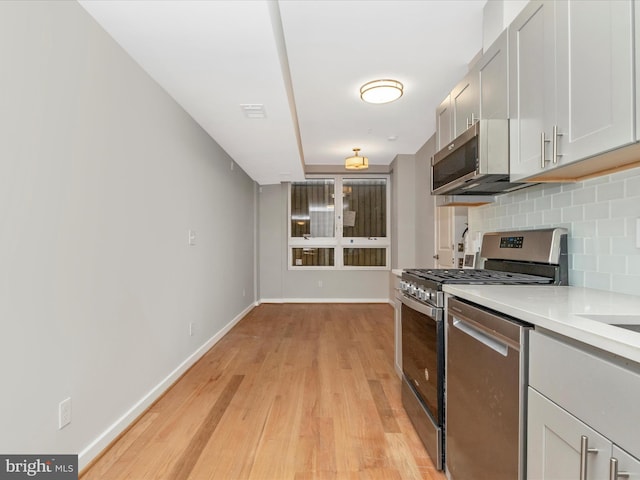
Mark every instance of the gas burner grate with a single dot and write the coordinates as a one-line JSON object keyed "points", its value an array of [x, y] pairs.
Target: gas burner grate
{"points": [[477, 276]]}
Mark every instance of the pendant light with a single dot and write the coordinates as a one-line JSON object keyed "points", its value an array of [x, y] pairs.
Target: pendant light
{"points": [[356, 162]]}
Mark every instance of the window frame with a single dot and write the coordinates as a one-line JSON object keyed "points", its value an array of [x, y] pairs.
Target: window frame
{"points": [[338, 242]]}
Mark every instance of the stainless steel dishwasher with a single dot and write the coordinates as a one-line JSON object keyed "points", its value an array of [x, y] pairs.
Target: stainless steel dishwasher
{"points": [[486, 360]]}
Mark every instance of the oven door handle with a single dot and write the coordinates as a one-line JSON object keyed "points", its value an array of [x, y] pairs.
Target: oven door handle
{"points": [[420, 307]]}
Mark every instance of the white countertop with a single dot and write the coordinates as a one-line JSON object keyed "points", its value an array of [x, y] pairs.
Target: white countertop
{"points": [[565, 310]]}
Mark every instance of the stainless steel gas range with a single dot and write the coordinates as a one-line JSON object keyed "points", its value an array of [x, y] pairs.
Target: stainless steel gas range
{"points": [[517, 257]]}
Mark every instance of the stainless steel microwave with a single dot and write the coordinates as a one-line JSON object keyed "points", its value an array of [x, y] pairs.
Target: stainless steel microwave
{"points": [[475, 163]]}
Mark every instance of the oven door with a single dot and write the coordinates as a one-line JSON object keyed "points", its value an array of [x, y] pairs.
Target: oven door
{"points": [[423, 373]]}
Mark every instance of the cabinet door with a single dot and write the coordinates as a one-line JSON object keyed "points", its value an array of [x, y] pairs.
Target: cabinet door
{"points": [[444, 124], [554, 443], [531, 86], [493, 80], [594, 61], [627, 464], [465, 103], [445, 224]]}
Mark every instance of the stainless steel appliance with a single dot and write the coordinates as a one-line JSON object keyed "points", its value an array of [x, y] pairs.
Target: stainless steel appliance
{"points": [[422, 318], [475, 163], [486, 391]]}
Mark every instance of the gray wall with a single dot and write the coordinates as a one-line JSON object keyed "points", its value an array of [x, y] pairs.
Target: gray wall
{"points": [[101, 176], [278, 283], [425, 204]]}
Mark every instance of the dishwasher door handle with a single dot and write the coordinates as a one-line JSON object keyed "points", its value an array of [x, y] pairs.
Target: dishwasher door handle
{"points": [[481, 336]]}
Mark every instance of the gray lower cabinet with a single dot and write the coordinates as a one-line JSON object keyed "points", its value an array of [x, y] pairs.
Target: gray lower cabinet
{"points": [[557, 439], [582, 412]]}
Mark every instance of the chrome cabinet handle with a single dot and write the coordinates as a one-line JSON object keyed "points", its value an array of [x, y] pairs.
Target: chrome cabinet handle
{"points": [[584, 451], [614, 474], [555, 153], [473, 120], [543, 142]]}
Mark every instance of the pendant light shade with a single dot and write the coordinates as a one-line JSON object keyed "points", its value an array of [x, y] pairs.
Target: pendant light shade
{"points": [[356, 162], [381, 91]]}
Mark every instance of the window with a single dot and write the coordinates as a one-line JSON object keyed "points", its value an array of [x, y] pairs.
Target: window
{"points": [[347, 231]]}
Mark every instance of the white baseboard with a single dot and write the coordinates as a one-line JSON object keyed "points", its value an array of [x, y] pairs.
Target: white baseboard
{"points": [[111, 433], [326, 300]]}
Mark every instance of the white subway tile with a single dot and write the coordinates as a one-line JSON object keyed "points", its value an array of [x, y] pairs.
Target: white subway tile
{"points": [[561, 200], [633, 265], [573, 214], [627, 207], [597, 181], [612, 264], [534, 219], [584, 195], [600, 281], [586, 263], [611, 227], [597, 246], [552, 217], [610, 191], [576, 278], [575, 246], [626, 284], [535, 192], [552, 189], [543, 203], [596, 211], [633, 187], [568, 187], [584, 229], [623, 245]]}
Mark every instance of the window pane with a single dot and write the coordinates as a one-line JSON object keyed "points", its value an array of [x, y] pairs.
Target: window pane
{"points": [[311, 256], [312, 208], [365, 257], [364, 207]]}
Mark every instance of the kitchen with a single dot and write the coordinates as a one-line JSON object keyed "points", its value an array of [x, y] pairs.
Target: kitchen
{"points": [[54, 204]]}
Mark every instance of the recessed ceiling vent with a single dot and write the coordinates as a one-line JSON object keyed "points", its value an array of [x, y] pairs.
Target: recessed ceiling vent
{"points": [[253, 110]]}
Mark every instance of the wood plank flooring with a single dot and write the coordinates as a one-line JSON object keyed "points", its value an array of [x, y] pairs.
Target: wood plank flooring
{"points": [[293, 391]]}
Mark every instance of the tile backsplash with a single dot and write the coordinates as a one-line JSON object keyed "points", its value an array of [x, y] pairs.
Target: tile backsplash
{"points": [[601, 215]]}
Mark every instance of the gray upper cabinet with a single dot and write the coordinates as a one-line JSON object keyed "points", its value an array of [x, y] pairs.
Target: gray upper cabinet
{"points": [[594, 55], [571, 83], [531, 87], [444, 123], [493, 84], [465, 103]]}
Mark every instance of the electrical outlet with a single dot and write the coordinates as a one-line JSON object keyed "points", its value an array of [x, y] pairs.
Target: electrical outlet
{"points": [[244, 292], [64, 413], [192, 238], [191, 328]]}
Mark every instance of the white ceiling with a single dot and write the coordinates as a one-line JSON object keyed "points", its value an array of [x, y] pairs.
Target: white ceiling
{"points": [[304, 60]]}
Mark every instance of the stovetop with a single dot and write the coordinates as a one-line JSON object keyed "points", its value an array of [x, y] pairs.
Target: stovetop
{"points": [[476, 276]]}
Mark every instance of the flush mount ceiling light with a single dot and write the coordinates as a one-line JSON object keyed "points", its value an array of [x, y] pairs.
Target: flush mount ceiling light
{"points": [[356, 162], [381, 91]]}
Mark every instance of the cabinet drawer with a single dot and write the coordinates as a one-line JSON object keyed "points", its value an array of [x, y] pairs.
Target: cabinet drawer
{"points": [[599, 388]]}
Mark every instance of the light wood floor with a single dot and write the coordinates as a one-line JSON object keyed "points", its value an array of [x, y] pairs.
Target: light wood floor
{"points": [[293, 391]]}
